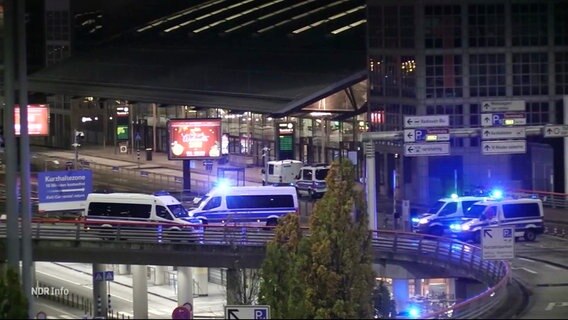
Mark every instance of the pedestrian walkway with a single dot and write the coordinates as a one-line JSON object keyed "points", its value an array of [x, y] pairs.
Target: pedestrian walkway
{"points": [[211, 305]]}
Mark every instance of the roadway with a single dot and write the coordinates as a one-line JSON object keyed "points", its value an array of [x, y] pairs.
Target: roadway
{"points": [[542, 267]]}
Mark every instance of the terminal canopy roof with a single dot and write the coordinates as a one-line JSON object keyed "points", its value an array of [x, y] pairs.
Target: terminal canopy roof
{"points": [[268, 56]]}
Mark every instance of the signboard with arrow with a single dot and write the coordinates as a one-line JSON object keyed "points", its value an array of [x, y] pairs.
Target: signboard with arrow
{"points": [[440, 120], [426, 149], [498, 243], [503, 133], [427, 135], [503, 119], [247, 312], [504, 146], [555, 131], [500, 106]]}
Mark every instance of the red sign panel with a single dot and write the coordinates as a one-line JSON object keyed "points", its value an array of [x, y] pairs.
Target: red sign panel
{"points": [[194, 139], [38, 120]]}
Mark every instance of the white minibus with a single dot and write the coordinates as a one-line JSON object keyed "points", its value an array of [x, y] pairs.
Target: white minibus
{"points": [[133, 210]]}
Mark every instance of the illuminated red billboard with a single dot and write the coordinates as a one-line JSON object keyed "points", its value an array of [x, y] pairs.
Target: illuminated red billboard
{"points": [[38, 120], [194, 139]]}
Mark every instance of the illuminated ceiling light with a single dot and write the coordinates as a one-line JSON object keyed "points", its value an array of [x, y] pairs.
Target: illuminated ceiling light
{"points": [[240, 3], [347, 27], [158, 22], [302, 15], [268, 16], [334, 17], [320, 114]]}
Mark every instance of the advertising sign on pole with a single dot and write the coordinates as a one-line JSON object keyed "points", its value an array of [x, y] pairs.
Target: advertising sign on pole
{"points": [[192, 139], [38, 120]]}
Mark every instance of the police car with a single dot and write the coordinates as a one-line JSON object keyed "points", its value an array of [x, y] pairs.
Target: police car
{"points": [[525, 215], [443, 213]]}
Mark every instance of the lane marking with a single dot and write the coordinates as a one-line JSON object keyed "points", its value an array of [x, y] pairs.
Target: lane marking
{"points": [[525, 269], [528, 260], [554, 267]]}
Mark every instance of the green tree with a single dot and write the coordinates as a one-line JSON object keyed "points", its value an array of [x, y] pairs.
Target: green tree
{"points": [[338, 273], [384, 304], [13, 303], [282, 282]]}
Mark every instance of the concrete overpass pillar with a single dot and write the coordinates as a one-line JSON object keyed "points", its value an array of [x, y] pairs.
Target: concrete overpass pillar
{"points": [[184, 285], [202, 278], [417, 287], [100, 298], [123, 269], [160, 276], [400, 293], [233, 287], [451, 289], [140, 291]]}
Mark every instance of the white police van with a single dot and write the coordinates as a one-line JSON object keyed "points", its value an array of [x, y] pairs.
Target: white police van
{"points": [[311, 180], [443, 213], [105, 211], [246, 204], [281, 172], [525, 215]]}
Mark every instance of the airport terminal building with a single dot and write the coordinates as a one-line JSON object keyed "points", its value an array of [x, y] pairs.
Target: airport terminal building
{"points": [[319, 72]]}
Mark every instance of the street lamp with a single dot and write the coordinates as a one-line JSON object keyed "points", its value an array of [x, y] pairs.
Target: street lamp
{"points": [[46, 162], [77, 137]]}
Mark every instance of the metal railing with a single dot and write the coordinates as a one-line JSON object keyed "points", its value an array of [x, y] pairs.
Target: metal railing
{"points": [[549, 199], [496, 274]]}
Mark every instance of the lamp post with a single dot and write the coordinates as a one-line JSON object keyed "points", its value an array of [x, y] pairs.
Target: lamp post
{"points": [[46, 162], [77, 137]]}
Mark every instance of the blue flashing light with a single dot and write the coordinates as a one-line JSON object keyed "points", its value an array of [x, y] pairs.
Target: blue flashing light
{"points": [[497, 194], [414, 312], [454, 196], [223, 184], [161, 193]]}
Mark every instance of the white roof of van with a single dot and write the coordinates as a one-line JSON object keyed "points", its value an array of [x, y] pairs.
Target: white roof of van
{"points": [[285, 161], [130, 196]]}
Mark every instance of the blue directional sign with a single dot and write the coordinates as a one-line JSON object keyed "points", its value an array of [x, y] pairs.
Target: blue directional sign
{"points": [[64, 186]]}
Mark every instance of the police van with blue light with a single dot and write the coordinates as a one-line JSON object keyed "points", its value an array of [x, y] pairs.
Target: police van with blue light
{"points": [[263, 205], [443, 213], [525, 215]]}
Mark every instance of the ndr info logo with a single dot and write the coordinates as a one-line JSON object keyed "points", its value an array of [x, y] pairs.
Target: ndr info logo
{"points": [[49, 291]]}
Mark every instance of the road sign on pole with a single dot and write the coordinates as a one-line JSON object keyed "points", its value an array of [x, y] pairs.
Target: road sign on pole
{"points": [[109, 275], [426, 149], [427, 135], [503, 133], [441, 120], [503, 119], [99, 276], [555, 131], [500, 106], [498, 243], [247, 312], [503, 147]]}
